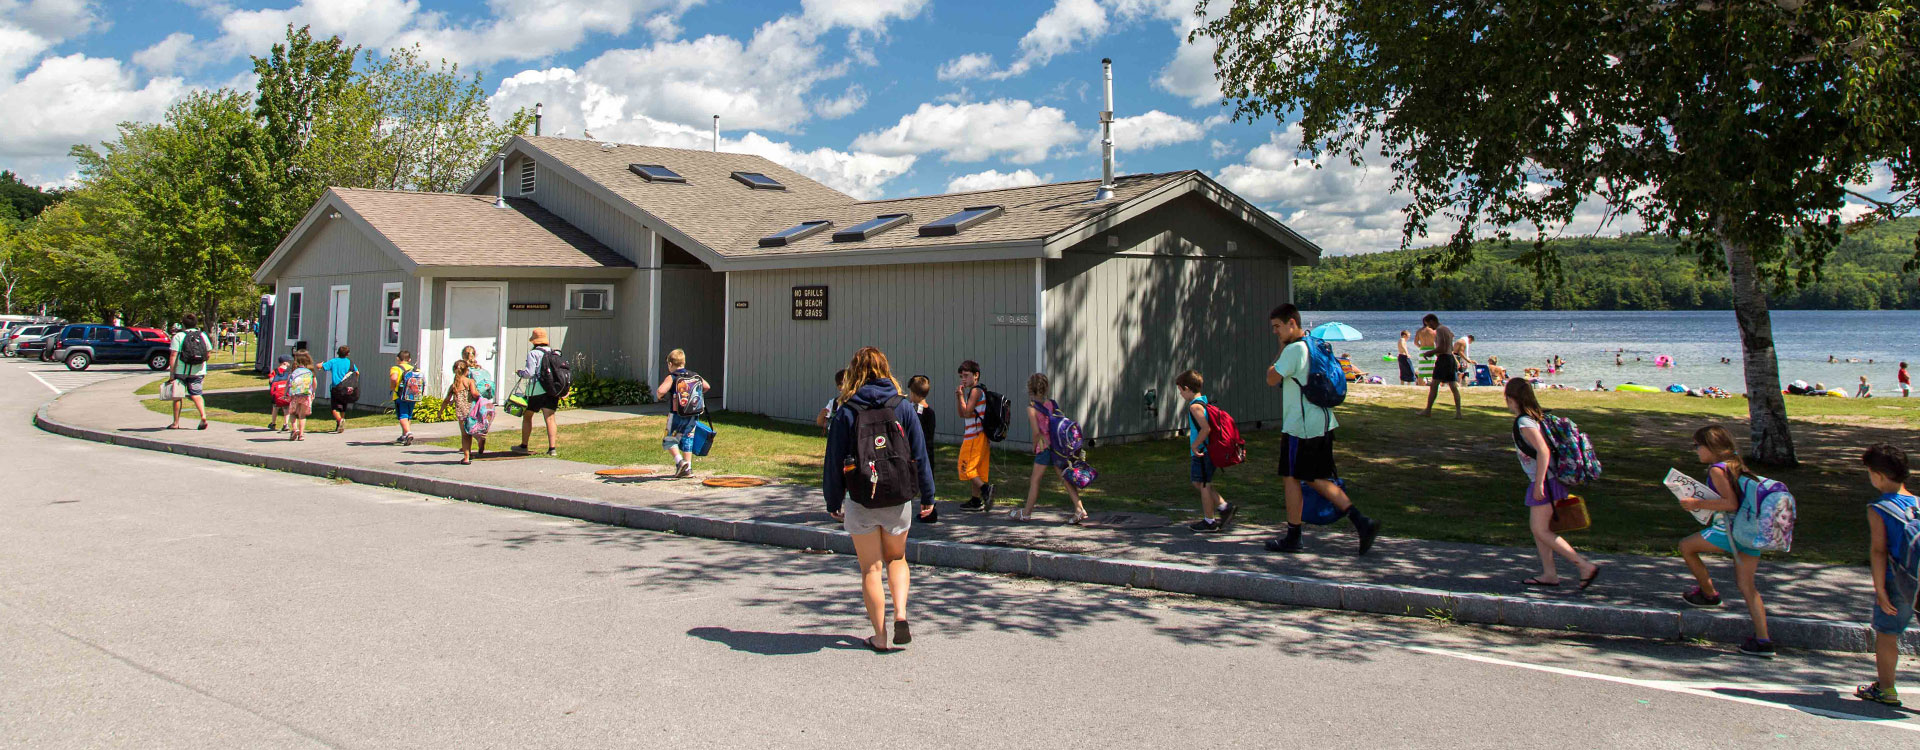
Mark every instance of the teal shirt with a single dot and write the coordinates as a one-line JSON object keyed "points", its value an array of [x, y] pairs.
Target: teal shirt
{"points": [[1299, 418], [1193, 427]]}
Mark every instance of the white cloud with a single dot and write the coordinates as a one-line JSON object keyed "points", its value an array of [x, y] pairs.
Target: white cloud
{"points": [[1190, 73], [858, 174], [177, 53], [972, 65], [375, 23], [1072, 24], [843, 105], [1012, 128], [664, 26], [1342, 208], [57, 20], [994, 179], [1151, 130], [862, 15], [1064, 26], [1218, 148], [75, 99]]}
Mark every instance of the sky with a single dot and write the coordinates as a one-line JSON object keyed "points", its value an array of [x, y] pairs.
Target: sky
{"points": [[877, 98]]}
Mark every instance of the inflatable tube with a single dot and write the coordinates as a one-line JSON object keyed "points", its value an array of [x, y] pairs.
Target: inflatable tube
{"points": [[1389, 357], [1635, 388], [1677, 388], [1837, 393], [1663, 361]]}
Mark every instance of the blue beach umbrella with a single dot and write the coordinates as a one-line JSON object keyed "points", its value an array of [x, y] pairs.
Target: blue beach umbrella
{"points": [[1336, 332]]}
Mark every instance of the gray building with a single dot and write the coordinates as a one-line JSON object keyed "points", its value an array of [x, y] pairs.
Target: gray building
{"points": [[770, 280]]}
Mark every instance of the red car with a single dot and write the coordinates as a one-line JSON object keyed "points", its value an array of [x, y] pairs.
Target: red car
{"points": [[152, 334]]}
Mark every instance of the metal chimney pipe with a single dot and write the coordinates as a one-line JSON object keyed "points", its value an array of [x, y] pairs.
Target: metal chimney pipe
{"points": [[1106, 135], [716, 133], [500, 181], [536, 118]]}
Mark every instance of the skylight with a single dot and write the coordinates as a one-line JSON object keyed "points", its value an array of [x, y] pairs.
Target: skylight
{"points": [[758, 181], [655, 173], [794, 233], [960, 222], [867, 229]]}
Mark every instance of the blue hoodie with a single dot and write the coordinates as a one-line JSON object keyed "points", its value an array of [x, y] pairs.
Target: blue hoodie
{"points": [[840, 441]]}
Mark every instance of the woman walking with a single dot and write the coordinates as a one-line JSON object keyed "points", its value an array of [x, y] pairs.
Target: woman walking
{"points": [[1536, 458], [892, 466]]}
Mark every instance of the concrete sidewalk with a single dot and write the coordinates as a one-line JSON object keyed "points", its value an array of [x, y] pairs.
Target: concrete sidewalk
{"points": [[1811, 606]]}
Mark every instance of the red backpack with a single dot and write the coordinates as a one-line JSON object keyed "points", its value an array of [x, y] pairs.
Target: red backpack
{"points": [[1224, 446], [277, 386]]}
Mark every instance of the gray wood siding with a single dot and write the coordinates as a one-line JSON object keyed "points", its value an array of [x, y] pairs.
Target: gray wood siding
{"points": [[693, 309], [580, 208], [1128, 319], [589, 343], [926, 317], [337, 247], [363, 320]]}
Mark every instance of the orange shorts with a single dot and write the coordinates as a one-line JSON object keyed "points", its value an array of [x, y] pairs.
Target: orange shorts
{"points": [[973, 458]]}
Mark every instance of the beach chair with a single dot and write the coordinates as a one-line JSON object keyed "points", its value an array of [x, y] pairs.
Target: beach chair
{"points": [[1354, 374], [1482, 375]]}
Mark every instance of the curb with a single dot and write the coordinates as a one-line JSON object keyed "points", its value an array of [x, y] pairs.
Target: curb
{"points": [[1271, 588]]}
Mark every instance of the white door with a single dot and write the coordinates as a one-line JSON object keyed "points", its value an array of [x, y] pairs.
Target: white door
{"points": [[337, 320], [475, 313]]}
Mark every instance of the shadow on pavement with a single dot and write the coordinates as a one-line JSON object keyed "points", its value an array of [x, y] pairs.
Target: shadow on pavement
{"points": [[776, 644]]}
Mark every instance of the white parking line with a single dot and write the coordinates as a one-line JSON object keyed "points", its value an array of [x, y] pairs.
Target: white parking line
{"points": [[43, 381]]}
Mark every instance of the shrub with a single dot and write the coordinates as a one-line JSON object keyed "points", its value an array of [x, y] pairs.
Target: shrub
{"points": [[591, 389], [431, 410]]}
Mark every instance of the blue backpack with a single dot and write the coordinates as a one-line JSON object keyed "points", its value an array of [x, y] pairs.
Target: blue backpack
{"points": [[1326, 385], [1766, 516], [1903, 560]]}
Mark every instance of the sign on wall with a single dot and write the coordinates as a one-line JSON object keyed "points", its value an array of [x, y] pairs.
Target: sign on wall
{"points": [[810, 303], [530, 305]]}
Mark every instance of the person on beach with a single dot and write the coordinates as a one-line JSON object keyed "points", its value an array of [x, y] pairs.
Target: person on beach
{"points": [[1495, 371], [1906, 383], [543, 403], [474, 411], [1536, 459], [188, 345], [301, 384], [1040, 410], [1216, 514], [1423, 340], [882, 510], [1714, 446], [1407, 375], [1617, 362], [1890, 521], [826, 412], [1306, 456], [1866, 389], [1444, 368]]}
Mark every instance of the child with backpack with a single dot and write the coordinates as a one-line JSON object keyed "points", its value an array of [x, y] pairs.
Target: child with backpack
{"points": [[1311, 384], [300, 388], [1049, 424], [686, 395], [1714, 446], [919, 387], [1893, 523], [343, 386], [975, 455], [826, 412], [277, 391], [1216, 514], [409, 385], [1533, 444]]}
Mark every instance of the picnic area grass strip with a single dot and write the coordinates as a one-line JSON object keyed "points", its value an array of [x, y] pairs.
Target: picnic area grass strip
{"points": [[216, 380], [251, 409], [1434, 477]]}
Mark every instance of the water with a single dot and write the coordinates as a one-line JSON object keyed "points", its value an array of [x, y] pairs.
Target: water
{"points": [[1696, 340]]}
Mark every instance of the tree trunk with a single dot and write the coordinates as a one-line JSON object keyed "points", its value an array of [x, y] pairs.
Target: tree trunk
{"points": [[1771, 442]]}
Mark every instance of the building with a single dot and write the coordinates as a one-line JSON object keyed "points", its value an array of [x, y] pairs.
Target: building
{"points": [[770, 280]]}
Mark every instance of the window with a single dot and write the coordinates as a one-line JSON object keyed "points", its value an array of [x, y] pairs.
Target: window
{"points": [[390, 304], [960, 222], [526, 177], [794, 233], [589, 300], [867, 229], [758, 181], [295, 299], [100, 333], [124, 336], [655, 173]]}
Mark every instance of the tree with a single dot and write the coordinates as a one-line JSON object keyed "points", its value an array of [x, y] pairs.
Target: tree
{"points": [[18, 200], [300, 81], [11, 255], [1734, 125], [437, 130]]}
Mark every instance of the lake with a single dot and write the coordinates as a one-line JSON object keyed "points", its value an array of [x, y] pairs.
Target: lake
{"points": [[1696, 340]]}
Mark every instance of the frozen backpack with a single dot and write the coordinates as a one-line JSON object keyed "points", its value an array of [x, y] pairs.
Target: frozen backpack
{"points": [[1903, 561], [1766, 515]]}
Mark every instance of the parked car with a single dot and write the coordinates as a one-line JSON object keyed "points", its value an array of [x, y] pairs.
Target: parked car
{"points": [[37, 347], [14, 338], [153, 334], [82, 346]]}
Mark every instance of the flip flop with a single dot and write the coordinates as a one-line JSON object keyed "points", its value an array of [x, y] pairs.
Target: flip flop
{"points": [[1535, 581], [1588, 579], [876, 647]]}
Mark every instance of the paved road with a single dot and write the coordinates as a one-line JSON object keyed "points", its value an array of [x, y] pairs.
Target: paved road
{"points": [[149, 600]]}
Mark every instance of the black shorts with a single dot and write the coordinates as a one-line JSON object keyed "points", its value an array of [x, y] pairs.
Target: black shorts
{"points": [[1307, 459], [543, 402], [1406, 369], [1445, 369]]}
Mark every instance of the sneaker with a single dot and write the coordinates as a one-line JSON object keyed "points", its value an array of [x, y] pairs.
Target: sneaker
{"points": [[1367, 534], [986, 498], [1284, 543], [1757, 647], [553, 453], [1226, 516], [684, 469], [933, 516], [409, 439], [1872, 692], [1696, 597], [1206, 525], [402, 440], [972, 505]]}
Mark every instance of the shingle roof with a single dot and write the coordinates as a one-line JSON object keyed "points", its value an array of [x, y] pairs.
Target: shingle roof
{"points": [[446, 229]]}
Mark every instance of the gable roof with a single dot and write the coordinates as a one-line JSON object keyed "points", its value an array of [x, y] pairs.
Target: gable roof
{"points": [[450, 230]]}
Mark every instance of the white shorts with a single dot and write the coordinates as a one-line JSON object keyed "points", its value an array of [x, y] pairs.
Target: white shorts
{"points": [[861, 519]]}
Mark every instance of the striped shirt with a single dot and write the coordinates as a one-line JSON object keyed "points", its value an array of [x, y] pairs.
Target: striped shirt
{"points": [[973, 424]]}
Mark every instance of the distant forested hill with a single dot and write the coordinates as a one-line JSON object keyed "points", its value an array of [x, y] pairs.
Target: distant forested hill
{"points": [[1630, 272]]}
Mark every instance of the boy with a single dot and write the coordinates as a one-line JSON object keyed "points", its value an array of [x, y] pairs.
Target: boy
{"points": [[337, 370], [972, 400], [1445, 369], [685, 393], [1200, 469], [277, 391], [402, 405], [191, 375], [1906, 384], [919, 387], [1307, 448], [1889, 522]]}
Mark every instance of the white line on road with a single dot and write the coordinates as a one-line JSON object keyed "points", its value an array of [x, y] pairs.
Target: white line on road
{"points": [[1672, 686], [43, 381]]}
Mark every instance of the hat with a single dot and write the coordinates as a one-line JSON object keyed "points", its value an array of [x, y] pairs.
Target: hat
{"points": [[539, 337], [283, 359]]}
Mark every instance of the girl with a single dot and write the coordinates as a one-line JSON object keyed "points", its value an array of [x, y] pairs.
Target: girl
{"points": [[1536, 458], [879, 534], [300, 385], [1039, 415], [1713, 445], [482, 380], [473, 410]]}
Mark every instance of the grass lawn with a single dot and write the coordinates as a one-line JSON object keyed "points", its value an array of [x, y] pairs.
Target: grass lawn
{"points": [[251, 408], [1432, 478], [216, 380]]}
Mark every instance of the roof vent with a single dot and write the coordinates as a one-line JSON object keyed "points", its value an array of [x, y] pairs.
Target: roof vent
{"points": [[655, 173], [794, 233], [867, 229], [960, 222]]}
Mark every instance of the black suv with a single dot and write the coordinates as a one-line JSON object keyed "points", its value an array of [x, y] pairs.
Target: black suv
{"points": [[83, 345]]}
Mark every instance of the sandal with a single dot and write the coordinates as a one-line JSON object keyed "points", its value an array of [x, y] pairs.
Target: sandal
{"points": [[1079, 519], [877, 648], [1018, 514], [1587, 580], [901, 633], [1535, 581]]}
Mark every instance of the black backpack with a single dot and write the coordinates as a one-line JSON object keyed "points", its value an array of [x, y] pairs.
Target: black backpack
{"points": [[556, 376], [347, 393], [999, 415], [193, 347], [883, 474]]}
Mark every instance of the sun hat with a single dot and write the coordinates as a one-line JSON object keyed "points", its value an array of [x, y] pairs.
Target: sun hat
{"points": [[539, 337]]}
